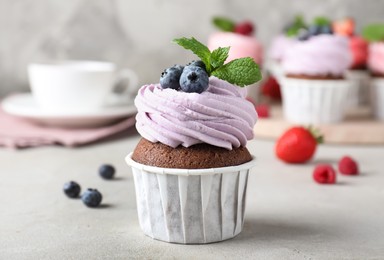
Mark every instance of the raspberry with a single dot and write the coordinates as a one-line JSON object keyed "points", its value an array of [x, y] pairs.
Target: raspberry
{"points": [[324, 174], [271, 88], [348, 166], [245, 28], [262, 110]]}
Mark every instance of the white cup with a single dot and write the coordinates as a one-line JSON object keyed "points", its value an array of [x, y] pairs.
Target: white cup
{"points": [[77, 86]]}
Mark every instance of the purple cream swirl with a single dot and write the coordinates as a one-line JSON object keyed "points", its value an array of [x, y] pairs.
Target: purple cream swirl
{"points": [[220, 116], [320, 55]]}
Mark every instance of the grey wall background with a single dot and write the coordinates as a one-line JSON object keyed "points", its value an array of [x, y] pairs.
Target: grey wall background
{"points": [[138, 34]]}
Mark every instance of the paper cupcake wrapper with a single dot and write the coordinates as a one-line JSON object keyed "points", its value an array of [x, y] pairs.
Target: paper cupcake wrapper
{"points": [[360, 91], [308, 101], [190, 206], [377, 97]]}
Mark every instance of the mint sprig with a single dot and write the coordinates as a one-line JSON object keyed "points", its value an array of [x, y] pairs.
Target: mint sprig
{"points": [[373, 32], [241, 72], [296, 26], [224, 24], [321, 21]]}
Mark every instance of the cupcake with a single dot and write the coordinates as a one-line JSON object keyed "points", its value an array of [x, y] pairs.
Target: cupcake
{"points": [[281, 44], [240, 36], [357, 72], [375, 35], [314, 89], [191, 166]]}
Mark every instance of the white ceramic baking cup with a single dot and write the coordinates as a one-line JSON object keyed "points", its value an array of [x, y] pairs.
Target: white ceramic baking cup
{"points": [[190, 206], [377, 85], [307, 101], [360, 91]]}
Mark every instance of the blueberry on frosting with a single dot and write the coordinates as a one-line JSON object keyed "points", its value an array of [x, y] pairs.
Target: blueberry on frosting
{"points": [[194, 79], [170, 77]]}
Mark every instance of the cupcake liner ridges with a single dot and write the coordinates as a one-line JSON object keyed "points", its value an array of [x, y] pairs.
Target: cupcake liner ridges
{"points": [[307, 101], [360, 91], [378, 97], [190, 206]]}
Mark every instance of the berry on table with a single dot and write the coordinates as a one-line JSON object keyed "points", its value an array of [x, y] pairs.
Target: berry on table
{"points": [[72, 189], [297, 145], [170, 77], [244, 28], [271, 88], [348, 166], [107, 171], [91, 198], [262, 110], [194, 79], [324, 174]]}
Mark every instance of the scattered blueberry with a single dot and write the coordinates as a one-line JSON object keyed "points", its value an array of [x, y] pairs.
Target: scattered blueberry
{"points": [[326, 29], [170, 77], [72, 189], [314, 30], [91, 198], [194, 79], [197, 63], [107, 171]]}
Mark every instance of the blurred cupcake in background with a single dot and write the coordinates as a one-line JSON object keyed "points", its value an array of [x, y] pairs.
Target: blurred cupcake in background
{"points": [[358, 46], [240, 37], [374, 33], [281, 43], [314, 88]]}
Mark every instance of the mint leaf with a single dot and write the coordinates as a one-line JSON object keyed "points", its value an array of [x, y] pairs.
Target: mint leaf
{"points": [[197, 48], [321, 21], [373, 32], [218, 57], [296, 26], [241, 72], [224, 24]]}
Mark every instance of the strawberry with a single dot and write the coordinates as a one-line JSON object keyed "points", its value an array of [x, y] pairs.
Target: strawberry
{"points": [[262, 110], [297, 144], [244, 28], [348, 166], [271, 88], [324, 174], [345, 27]]}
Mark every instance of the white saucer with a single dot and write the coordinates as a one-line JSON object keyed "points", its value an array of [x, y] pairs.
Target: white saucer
{"points": [[23, 105]]}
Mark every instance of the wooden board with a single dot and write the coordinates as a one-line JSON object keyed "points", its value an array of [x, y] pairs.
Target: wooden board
{"points": [[359, 127]]}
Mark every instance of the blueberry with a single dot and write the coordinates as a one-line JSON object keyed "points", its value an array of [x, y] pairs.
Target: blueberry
{"points": [[197, 63], [107, 171], [314, 30], [170, 77], [303, 35], [194, 79], [72, 189], [326, 29], [91, 198]]}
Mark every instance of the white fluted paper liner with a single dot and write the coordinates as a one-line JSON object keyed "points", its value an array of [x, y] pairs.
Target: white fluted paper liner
{"points": [[360, 91], [307, 101], [195, 206], [378, 97]]}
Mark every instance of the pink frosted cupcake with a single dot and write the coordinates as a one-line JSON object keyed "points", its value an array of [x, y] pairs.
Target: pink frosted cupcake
{"points": [[240, 37], [375, 35], [314, 89]]}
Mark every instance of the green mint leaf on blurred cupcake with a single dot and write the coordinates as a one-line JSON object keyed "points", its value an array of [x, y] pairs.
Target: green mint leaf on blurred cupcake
{"points": [[294, 28], [240, 72], [374, 32], [224, 24], [321, 21]]}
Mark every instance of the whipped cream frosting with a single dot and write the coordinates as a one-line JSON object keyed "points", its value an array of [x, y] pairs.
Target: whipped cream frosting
{"points": [[376, 57], [319, 55], [220, 116], [279, 46], [241, 46]]}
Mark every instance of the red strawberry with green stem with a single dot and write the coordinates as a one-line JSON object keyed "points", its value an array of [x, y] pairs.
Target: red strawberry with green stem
{"points": [[298, 144]]}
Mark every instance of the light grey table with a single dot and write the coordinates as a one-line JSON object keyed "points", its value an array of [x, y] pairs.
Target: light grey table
{"points": [[288, 215]]}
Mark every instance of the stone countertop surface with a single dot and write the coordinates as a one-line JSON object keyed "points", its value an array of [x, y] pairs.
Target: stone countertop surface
{"points": [[288, 215]]}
